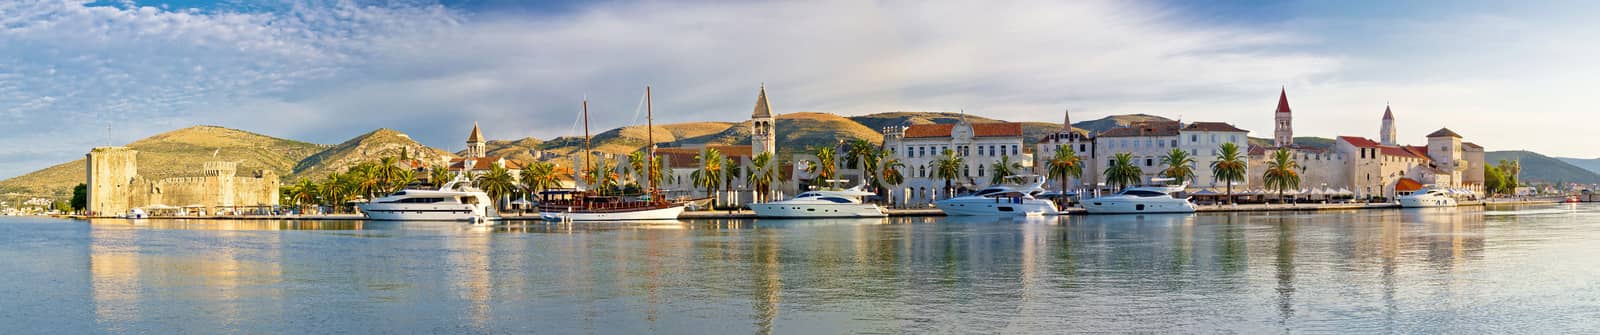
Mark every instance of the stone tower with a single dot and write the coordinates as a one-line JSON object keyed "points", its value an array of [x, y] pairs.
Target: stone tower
{"points": [[1388, 135], [110, 173], [1283, 136], [475, 145], [761, 127]]}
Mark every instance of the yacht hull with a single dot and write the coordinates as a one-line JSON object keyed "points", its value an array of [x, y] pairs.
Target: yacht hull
{"points": [[1426, 202], [992, 207], [1128, 206], [782, 210], [414, 212], [668, 213]]}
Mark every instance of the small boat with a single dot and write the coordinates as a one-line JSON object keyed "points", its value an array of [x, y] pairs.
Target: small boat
{"points": [[1143, 199], [137, 213], [454, 201], [1014, 198], [821, 204], [1428, 197]]}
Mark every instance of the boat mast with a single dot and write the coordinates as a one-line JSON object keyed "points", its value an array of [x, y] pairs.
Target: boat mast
{"points": [[587, 151], [650, 142]]}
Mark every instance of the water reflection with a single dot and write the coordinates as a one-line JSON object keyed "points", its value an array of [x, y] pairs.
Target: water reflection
{"points": [[1357, 271]]}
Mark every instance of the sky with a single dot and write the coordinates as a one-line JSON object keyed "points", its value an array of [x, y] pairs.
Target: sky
{"points": [[80, 74]]}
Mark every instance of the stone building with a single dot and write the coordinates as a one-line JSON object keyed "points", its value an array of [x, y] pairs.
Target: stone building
{"points": [[115, 186], [477, 161], [1147, 142]]}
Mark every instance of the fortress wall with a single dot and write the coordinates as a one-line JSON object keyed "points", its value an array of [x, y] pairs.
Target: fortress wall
{"points": [[116, 187], [109, 174]]}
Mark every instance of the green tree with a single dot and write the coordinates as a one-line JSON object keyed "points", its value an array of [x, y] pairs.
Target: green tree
{"points": [[889, 171], [1511, 172], [80, 197], [1002, 169], [1066, 164], [387, 174], [336, 190], [1122, 172], [1494, 181], [542, 176], [1180, 167], [1282, 172], [439, 175], [825, 167], [498, 183], [948, 166], [710, 174], [304, 192], [857, 152], [762, 174], [1229, 167]]}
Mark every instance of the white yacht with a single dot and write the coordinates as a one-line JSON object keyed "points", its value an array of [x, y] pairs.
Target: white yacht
{"points": [[454, 201], [1006, 199], [821, 204], [1428, 197], [1143, 199]]}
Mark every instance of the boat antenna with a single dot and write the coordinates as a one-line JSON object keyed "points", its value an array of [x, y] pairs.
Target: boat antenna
{"points": [[650, 142]]}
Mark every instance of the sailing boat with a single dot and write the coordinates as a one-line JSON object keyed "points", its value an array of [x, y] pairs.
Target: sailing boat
{"points": [[589, 205]]}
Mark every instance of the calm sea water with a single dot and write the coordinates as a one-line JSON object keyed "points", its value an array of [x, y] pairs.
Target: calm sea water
{"points": [[1465, 270]]}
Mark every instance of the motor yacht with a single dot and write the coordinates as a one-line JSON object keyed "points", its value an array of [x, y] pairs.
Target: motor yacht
{"points": [[1143, 199], [455, 201], [1012, 198], [821, 204], [1428, 197]]}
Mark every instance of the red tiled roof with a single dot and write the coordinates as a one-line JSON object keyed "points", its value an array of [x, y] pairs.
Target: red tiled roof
{"points": [[1359, 142], [991, 129], [484, 164], [1152, 128], [1405, 152], [1283, 101], [1212, 126]]}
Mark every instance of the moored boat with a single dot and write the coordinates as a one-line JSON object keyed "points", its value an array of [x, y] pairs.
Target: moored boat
{"points": [[590, 205], [1015, 197], [1428, 197], [1143, 199], [821, 204], [454, 201]]}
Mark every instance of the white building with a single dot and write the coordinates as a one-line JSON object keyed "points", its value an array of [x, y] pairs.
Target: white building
{"points": [[980, 145], [1148, 142]]}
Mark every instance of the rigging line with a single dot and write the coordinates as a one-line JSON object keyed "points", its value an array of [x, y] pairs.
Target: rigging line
{"points": [[637, 109], [571, 131]]}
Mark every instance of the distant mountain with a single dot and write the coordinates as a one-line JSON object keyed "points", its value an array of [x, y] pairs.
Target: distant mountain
{"points": [[180, 152], [1107, 123], [1541, 168], [1591, 164], [1314, 142], [367, 147]]}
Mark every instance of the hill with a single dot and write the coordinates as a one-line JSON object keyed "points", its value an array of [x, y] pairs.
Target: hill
{"points": [[1541, 168], [1591, 164], [1314, 142], [1109, 122], [180, 152], [627, 139], [367, 147], [520, 150]]}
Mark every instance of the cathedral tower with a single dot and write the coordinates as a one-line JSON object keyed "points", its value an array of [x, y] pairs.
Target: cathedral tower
{"points": [[475, 145], [1388, 135], [1283, 136], [761, 127]]}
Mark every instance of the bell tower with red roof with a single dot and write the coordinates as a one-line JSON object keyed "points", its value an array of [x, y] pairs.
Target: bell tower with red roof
{"points": [[1283, 135]]}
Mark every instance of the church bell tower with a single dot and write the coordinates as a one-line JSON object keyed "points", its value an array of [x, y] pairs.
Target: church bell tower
{"points": [[762, 134], [1283, 135]]}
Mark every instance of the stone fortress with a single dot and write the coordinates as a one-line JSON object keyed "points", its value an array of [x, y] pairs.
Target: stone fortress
{"points": [[115, 186]]}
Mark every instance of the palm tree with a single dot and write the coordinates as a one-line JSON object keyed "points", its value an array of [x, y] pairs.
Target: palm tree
{"points": [[363, 178], [401, 179], [1066, 164], [636, 169], [1122, 172], [498, 183], [1511, 170], [889, 172], [1002, 169], [542, 176], [439, 175], [1179, 166], [710, 174], [1281, 172], [1229, 168], [857, 152], [824, 169], [948, 167], [303, 192], [387, 172], [762, 175], [335, 190]]}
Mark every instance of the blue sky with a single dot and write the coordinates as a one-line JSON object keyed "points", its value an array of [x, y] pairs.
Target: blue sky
{"points": [[1505, 75]]}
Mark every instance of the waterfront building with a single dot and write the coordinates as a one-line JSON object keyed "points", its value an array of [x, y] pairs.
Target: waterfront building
{"points": [[980, 145], [1320, 167], [1082, 144], [115, 186], [1149, 142]]}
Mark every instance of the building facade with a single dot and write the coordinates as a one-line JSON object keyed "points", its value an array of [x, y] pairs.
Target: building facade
{"points": [[979, 145]]}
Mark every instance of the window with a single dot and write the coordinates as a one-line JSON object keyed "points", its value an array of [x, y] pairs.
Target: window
{"points": [[1174, 143], [1149, 162], [1082, 148], [980, 170], [922, 172], [1233, 138], [1161, 144], [1194, 138], [1014, 149], [1213, 138]]}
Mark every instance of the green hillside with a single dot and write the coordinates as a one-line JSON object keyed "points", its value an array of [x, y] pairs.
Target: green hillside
{"points": [[1541, 168], [1591, 164], [1314, 142], [180, 152], [367, 147]]}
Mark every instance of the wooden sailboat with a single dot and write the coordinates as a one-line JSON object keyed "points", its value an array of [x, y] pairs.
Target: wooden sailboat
{"points": [[590, 205]]}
